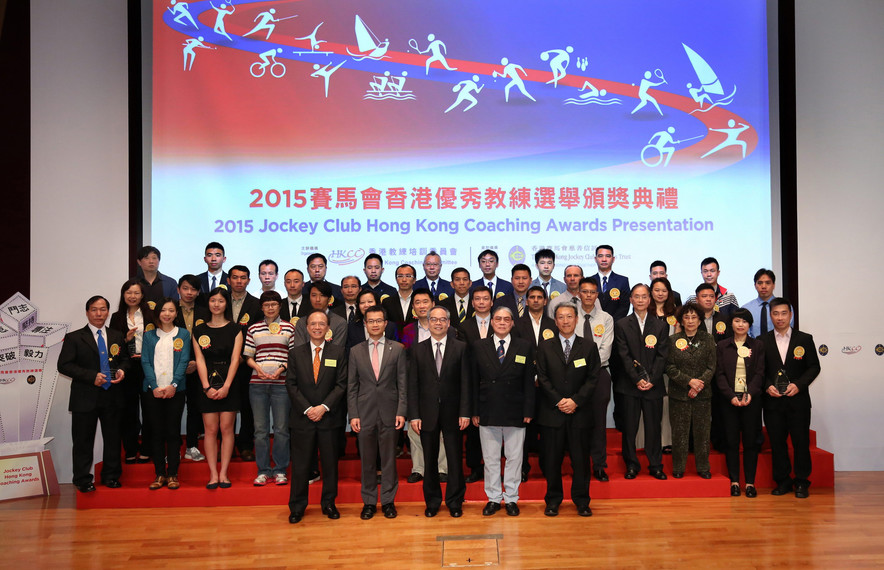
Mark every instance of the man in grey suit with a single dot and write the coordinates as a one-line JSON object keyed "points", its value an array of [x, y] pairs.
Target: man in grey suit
{"points": [[377, 402]]}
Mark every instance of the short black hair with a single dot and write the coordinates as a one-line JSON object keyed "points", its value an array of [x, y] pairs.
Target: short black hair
{"points": [[215, 245], [457, 270], [744, 314], [571, 306], [762, 272], [481, 289], [376, 309], [703, 287], [313, 256], [371, 256], [242, 268], [520, 267], [689, 308], [422, 291], [657, 263], [409, 266], [358, 280], [147, 250], [536, 288], [270, 296], [592, 280], [545, 252], [777, 301], [709, 260], [269, 262], [488, 252], [604, 246], [93, 299], [191, 280], [298, 271], [324, 287]]}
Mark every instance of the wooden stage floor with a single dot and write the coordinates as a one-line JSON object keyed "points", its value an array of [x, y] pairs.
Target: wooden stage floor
{"points": [[835, 528]]}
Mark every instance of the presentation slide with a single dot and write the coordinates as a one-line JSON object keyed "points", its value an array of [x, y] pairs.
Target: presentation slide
{"points": [[284, 128]]}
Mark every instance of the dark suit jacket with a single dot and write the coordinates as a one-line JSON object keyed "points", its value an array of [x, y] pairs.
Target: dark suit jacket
{"points": [[250, 313], [503, 393], [721, 327], [676, 297], [630, 344], [726, 367], [503, 286], [442, 286], [469, 330], [329, 389], [336, 293], [199, 314], [439, 399], [304, 308], [204, 282], [79, 360], [394, 311], [342, 311], [619, 307], [356, 333], [573, 379], [377, 400], [409, 336], [382, 289], [525, 329], [450, 304], [802, 369], [336, 324]]}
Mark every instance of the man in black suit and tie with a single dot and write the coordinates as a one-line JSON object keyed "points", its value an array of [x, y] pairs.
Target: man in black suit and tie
{"points": [[460, 303], [316, 382], [504, 403], [791, 365], [295, 305], [488, 262], [377, 400], [567, 371], [246, 311], [719, 326], [350, 289], [478, 326], [439, 288], [95, 359], [439, 392], [398, 306], [613, 288], [215, 275], [640, 341]]}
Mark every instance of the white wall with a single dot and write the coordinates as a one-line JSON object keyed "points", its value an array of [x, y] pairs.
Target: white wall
{"points": [[79, 170], [79, 193], [840, 131]]}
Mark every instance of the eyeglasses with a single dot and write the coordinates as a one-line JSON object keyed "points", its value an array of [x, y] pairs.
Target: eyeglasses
{"points": [[438, 319], [270, 304], [375, 321], [404, 276]]}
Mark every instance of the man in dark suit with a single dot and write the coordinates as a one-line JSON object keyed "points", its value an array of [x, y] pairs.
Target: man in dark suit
{"points": [[478, 326], [439, 288], [190, 315], [316, 382], [658, 269], [719, 326], [503, 404], [295, 305], [246, 311], [439, 392], [215, 275], [319, 297], [460, 303], [377, 401], [373, 267], [567, 371], [613, 288], [790, 356], [399, 306], [96, 360], [317, 266], [351, 286], [640, 341], [488, 262]]}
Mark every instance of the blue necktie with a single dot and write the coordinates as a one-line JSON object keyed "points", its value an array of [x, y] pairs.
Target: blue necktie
{"points": [[604, 284], [433, 289], [500, 352], [214, 281], [103, 361], [491, 286]]}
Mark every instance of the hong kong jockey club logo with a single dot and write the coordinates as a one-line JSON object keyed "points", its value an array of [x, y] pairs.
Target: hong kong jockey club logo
{"points": [[517, 255]]}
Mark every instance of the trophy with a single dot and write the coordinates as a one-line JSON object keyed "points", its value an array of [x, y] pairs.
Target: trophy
{"points": [[642, 373], [782, 382], [216, 378]]}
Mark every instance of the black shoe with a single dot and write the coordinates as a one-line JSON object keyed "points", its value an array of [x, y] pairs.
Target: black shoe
{"points": [[631, 474], [801, 490], [389, 510], [551, 510], [751, 492], [584, 511], [490, 509], [678, 474], [130, 460], [443, 477], [414, 477], [524, 476], [142, 459], [368, 511], [705, 475], [112, 483], [735, 490], [455, 512], [667, 450], [314, 477], [295, 518], [247, 455], [512, 509], [86, 488], [600, 475], [331, 511], [475, 475], [431, 512], [658, 474], [782, 489]]}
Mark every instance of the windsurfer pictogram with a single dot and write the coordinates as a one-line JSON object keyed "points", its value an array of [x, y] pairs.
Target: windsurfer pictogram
{"points": [[369, 45], [709, 84]]}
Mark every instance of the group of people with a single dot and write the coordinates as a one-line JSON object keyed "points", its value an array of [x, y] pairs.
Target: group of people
{"points": [[471, 368]]}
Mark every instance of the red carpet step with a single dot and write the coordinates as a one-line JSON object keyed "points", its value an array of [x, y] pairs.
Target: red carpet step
{"points": [[194, 476]]}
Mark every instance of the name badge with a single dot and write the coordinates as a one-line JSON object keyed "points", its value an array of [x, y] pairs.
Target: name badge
{"points": [[331, 363], [580, 363], [520, 359]]}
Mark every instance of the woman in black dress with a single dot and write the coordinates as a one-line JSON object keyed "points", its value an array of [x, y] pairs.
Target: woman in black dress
{"points": [[217, 347]]}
